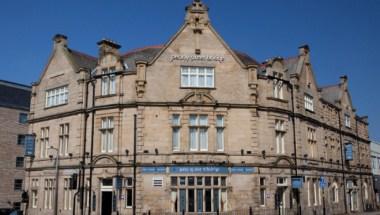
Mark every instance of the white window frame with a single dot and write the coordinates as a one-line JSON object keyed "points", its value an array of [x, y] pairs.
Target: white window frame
{"points": [[309, 102], [107, 135], [219, 125], [280, 136], [64, 130], [192, 77], [44, 142], [312, 141], [176, 132], [130, 188], [347, 120], [67, 194], [157, 181], [108, 83], [278, 86], [56, 96], [199, 127]]}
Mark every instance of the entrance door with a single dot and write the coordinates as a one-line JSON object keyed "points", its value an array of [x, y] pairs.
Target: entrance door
{"points": [[280, 200], [106, 203]]}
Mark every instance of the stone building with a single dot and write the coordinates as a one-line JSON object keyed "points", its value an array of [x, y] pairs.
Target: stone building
{"points": [[14, 108], [215, 130], [375, 157]]}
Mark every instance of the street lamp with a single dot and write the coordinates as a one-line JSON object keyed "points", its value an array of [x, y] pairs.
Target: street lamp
{"points": [[56, 180]]}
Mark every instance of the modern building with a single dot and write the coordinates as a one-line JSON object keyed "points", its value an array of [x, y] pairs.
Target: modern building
{"points": [[14, 109], [375, 157], [195, 126]]}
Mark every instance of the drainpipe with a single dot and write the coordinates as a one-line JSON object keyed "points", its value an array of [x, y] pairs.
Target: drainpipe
{"points": [[134, 163], [360, 168], [84, 149], [92, 81], [342, 157]]}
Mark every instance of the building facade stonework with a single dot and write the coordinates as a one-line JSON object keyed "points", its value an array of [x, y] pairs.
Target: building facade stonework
{"points": [[193, 126], [14, 108]]}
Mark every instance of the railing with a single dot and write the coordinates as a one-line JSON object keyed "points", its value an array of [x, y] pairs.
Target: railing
{"points": [[249, 211]]}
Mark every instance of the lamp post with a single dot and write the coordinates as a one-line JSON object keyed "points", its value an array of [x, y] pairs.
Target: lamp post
{"points": [[56, 180]]}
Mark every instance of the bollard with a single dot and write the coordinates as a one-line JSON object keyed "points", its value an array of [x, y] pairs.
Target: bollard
{"points": [[250, 211], [149, 212], [183, 212], [217, 211]]}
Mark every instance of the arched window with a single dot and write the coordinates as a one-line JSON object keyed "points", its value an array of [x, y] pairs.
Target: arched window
{"points": [[334, 193], [365, 188]]}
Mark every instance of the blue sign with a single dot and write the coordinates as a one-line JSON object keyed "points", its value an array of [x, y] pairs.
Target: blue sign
{"points": [[297, 182], [29, 145], [153, 169], [243, 170], [322, 182], [199, 169], [348, 151]]}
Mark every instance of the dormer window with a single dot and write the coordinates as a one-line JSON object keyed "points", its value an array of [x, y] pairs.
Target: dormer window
{"points": [[309, 105], [277, 85], [197, 77], [108, 81], [347, 120]]}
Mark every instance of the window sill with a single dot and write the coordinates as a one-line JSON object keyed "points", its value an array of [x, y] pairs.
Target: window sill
{"points": [[310, 111], [277, 99], [199, 88], [50, 107], [105, 96]]}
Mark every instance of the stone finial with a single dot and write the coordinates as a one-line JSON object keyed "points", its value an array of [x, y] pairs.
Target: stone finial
{"points": [[304, 49], [197, 13], [60, 40], [343, 81]]}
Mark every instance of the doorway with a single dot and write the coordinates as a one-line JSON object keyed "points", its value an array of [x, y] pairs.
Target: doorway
{"points": [[106, 203]]}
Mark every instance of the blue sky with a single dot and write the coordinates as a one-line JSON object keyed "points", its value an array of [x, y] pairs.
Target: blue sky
{"points": [[343, 35]]}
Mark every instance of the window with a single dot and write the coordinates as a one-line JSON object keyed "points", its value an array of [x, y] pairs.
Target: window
{"points": [[262, 191], [277, 85], [107, 134], [17, 184], [347, 120], [34, 198], [309, 103], [365, 188], [67, 194], [128, 192], [280, 133], [198, 125], [49, 188], [19, 161], [282, 181], [176, 125], [220, 133], [157, 181], [63, 139], [312, 141], [23, 118], [315, 191], [196, 196], [108, 81], [21, 139], [44, 141], [202, 77], [57, 96], [334, 193]]}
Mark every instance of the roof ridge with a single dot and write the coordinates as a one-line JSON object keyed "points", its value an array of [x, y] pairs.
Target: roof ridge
{"points": [[83, 54], [329, 86]]}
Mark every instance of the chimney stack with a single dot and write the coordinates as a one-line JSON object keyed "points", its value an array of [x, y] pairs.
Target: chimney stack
{"points": [[60, 40], [343, 81], [304, 49], [108, 46]]}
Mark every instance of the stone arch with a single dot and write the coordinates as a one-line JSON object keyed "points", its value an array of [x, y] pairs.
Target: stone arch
{"points": [[105, 158], [198, 97]]}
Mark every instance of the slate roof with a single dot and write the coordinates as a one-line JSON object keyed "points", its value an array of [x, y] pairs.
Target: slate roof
{"points": [[83, 60], [291, 64], [331, 94], [13, 95], [149, 52]]}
